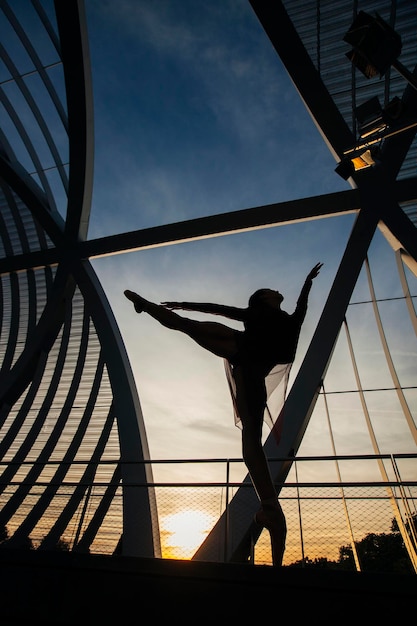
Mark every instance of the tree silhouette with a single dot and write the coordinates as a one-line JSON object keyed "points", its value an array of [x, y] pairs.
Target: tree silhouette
{"points": [[384, 552], [25, 544], [62, 546]]}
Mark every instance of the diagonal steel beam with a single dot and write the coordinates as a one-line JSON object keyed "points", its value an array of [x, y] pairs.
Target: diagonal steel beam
{"points": [[287, 43], [188, 230]]}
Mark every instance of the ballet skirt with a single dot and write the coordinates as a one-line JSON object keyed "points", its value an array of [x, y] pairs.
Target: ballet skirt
{"points": [[276, 383]]}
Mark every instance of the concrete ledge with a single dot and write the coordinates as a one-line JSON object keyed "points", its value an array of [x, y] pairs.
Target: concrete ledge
{"points": [[41, 588]]}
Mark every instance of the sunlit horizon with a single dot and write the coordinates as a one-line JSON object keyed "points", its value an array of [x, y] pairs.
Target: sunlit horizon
{"points": [[183, 532]]}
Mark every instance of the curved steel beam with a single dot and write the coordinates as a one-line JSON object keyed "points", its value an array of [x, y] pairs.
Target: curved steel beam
{"points": [[34, 198], [37, 115], [41, 71], [140, 530], [73, 35], [15, 381]]}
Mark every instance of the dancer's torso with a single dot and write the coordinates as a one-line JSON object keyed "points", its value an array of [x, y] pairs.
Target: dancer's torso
{"points": [[268, 339]]}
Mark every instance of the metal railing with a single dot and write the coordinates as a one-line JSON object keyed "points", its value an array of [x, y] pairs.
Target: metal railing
{"points": [[339, 512]]}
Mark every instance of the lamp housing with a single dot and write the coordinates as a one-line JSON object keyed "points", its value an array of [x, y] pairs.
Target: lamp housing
{"points": [[372, 118], [375, 44]]}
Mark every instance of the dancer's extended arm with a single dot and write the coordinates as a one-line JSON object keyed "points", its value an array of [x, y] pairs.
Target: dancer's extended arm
{"points": [[231, 312], [301, 308]]}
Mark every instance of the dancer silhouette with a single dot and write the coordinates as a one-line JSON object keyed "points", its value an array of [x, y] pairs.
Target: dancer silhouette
{"points": [[269, 338]]}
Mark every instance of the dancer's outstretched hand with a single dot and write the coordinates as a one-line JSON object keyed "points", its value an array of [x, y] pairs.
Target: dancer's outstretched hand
{"points": [[315, 271]]}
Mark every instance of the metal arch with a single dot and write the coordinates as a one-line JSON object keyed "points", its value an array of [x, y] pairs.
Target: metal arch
{"points": [[14, 116], [37, 115], [83, 544], [49, 29], [74, 501], [38, 509], [35, 58], [34, 198], [1, 302], [24, 243], [22, 235], [13, 327], [138, 502], [28, 145], [15, 379], [39, 422], [73, 36], [140, 512]]}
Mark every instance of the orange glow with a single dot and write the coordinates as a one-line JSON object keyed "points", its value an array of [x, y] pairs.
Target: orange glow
{"points": [[183, 532]]}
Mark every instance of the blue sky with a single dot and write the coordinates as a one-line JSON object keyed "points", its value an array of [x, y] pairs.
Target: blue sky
{"points": [[195, 115]]}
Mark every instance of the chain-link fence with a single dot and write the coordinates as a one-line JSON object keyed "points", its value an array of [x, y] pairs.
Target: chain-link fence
{"points": [[334, 519]]}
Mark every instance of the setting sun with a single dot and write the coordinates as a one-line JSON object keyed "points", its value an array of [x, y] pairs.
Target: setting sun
{"points": [[184, 532]]}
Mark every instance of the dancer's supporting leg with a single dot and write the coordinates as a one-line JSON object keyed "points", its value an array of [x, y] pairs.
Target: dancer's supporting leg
{"points": [[250, 399]]}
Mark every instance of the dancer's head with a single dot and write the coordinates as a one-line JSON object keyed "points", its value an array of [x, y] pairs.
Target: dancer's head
{"points": [[266, 297]]}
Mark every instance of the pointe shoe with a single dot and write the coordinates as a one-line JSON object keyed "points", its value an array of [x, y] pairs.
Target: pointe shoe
{"points": [[135, 298], [274, 521], [271, 519]]}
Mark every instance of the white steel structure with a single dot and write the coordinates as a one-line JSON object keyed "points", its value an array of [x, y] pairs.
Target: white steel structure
{"points": [[66, 386]]}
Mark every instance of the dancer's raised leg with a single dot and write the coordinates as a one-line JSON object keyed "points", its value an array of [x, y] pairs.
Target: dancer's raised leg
{"points": [[214, 337]]}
